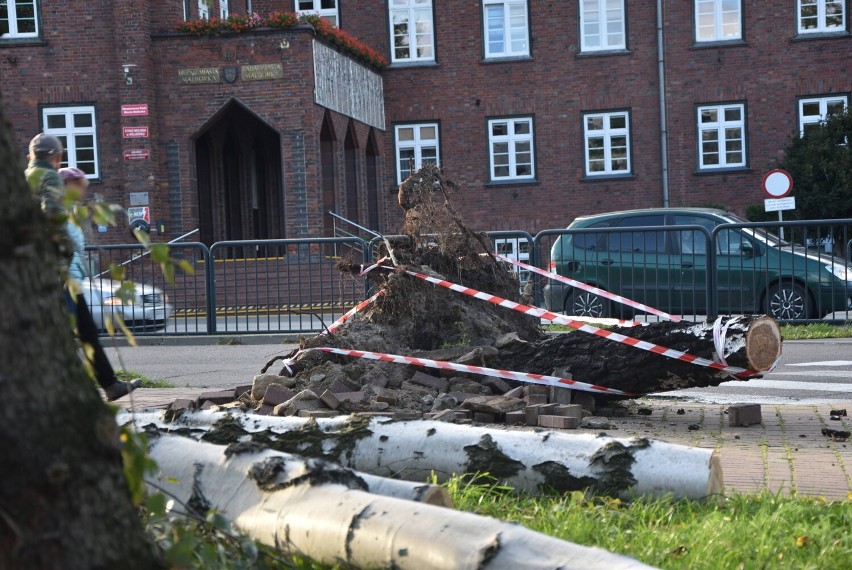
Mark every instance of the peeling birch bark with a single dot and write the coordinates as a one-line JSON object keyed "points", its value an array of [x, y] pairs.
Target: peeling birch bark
{"points": [[319, 510], [173, 452], [528, 461]]}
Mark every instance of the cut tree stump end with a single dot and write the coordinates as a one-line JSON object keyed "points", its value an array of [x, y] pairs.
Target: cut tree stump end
{"points": [[763, 344]]}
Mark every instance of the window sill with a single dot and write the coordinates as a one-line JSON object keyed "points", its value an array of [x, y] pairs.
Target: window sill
{"points": [[719, 44], [506, 59], [409, 65], [514, 182], [21, 42], [608, 177], [603, 53], [731, 170], [808, 36]]}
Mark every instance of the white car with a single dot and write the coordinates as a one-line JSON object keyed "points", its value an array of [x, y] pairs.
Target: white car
{"points": [[144, 308]]}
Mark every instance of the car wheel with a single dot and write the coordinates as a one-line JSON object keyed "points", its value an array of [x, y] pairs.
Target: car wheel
{"points": [[586, 304], [788, 301]]}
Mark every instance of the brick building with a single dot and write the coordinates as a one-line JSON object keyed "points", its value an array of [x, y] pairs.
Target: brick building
{"points": [[539, 110]]}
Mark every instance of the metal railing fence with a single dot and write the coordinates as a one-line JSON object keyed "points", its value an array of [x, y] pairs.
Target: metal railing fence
{"points": [[294, 285]]}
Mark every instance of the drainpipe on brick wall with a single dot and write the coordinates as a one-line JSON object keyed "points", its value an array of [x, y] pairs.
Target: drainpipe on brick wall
{"points": [[661, 73]]}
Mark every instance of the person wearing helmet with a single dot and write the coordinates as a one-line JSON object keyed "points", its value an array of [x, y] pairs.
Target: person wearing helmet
{"points": [[46, 183]]}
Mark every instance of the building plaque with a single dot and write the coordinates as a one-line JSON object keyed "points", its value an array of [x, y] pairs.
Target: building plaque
{"points": [[199, 75], [263, 71], [344, 85]]}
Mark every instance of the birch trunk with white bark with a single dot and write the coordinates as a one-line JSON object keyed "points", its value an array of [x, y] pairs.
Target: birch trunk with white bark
{"points": [[529, 461], [319, 510]]}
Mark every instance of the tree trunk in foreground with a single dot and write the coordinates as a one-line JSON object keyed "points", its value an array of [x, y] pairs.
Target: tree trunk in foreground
{"points": [[64, 502], [319, 510], [751, 342], [525, 460]]}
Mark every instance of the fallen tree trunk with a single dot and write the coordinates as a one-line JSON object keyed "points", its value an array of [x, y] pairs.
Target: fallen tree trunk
{"points": [[172, 453], [318, 510], [750, 342], [528, 461]]}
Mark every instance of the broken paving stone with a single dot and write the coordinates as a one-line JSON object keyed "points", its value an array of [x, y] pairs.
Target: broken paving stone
{"points": [[515, 392], [509, 340], [419, 390], [837, 414], [516, 418], [744, 415], [218, 397], [595, 422], [352, 397], [338, 386], [276, 394], [497, 385], [379, 406], [478, 356], [560, 395], [315, 378], [444, 402], [483, 418], [584, 399], [459, 384], [389, 397], [429, 381], [463, 396], [443, 416], [558, 422], [317, 413], [493, 404], [330, 400], [262, 381]]}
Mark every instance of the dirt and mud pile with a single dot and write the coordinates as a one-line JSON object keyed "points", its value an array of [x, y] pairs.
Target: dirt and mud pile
{"points": [[411, 317]]}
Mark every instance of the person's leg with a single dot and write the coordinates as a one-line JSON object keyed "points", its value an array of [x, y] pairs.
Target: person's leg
{"points": [[104, 372]]}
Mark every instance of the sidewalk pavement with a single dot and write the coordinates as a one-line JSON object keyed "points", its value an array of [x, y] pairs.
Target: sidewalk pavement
{"points": [[785, 453]]}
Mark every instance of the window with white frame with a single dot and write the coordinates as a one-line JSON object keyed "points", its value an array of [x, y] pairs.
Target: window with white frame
{"points": [[816, 16], [602, 25], [204, 9], [326, 9], [18, 19], [721, 136], [415, 146], [505, 27], [76, 128], [412, 30], [814, 111], [718, 20], [607, 140], [510, 144], [224, 8]]}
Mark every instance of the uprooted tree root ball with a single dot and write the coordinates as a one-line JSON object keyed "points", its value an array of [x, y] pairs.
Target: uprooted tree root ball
{"points": [[413, 317]]}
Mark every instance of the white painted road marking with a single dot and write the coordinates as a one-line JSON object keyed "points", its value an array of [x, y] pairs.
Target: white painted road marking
{"points": [[789, 385], [823, 363]]}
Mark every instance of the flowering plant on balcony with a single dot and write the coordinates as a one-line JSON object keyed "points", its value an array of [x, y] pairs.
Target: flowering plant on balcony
{"points": [[347, 43]]}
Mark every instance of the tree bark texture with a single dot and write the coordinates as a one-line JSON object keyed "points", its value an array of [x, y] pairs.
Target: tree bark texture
{"points": [[528, 461], [177, 455], [64, 501], [751, 342], [317, 509]]}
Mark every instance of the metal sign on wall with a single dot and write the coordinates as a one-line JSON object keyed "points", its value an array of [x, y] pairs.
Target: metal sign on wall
{"points": [[345, 86]]}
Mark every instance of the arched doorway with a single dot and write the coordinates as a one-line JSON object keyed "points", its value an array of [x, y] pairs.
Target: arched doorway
{"points": [[373, 183], [327, 168], [350, 152], [239, 174]]}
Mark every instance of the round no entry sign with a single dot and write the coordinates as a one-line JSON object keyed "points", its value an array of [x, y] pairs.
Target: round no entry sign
{"points": [[777, 183]]}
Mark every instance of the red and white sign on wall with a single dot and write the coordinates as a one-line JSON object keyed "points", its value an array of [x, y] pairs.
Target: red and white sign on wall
{"points": [[137, 154], [136, 110], [135, 132]]}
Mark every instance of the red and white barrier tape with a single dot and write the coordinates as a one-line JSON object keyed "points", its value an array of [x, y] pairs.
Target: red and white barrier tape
{"points": [[481, 370], [592, 289], [609, 335], [336, 324]]}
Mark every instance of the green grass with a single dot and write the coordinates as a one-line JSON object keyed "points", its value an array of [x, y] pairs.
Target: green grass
{"points": [[743, 531], [129, 375]]}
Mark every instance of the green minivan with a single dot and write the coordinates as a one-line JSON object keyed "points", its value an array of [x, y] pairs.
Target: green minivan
{"points": [[658, 257]]}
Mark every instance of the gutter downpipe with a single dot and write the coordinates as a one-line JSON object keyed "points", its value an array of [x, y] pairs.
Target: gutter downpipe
{"points": [[661, 74]]}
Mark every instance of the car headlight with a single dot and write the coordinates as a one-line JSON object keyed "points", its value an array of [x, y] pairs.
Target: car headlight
{"points": [[842, 272], [117, 302]]}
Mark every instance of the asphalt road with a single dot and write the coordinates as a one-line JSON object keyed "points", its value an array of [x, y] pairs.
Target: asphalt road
{"points": [[808, 371]]}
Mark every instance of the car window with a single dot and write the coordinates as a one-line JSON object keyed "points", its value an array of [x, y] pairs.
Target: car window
{"points": [[731, 242], [591, 241], [646, 241], [692, 241]]}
